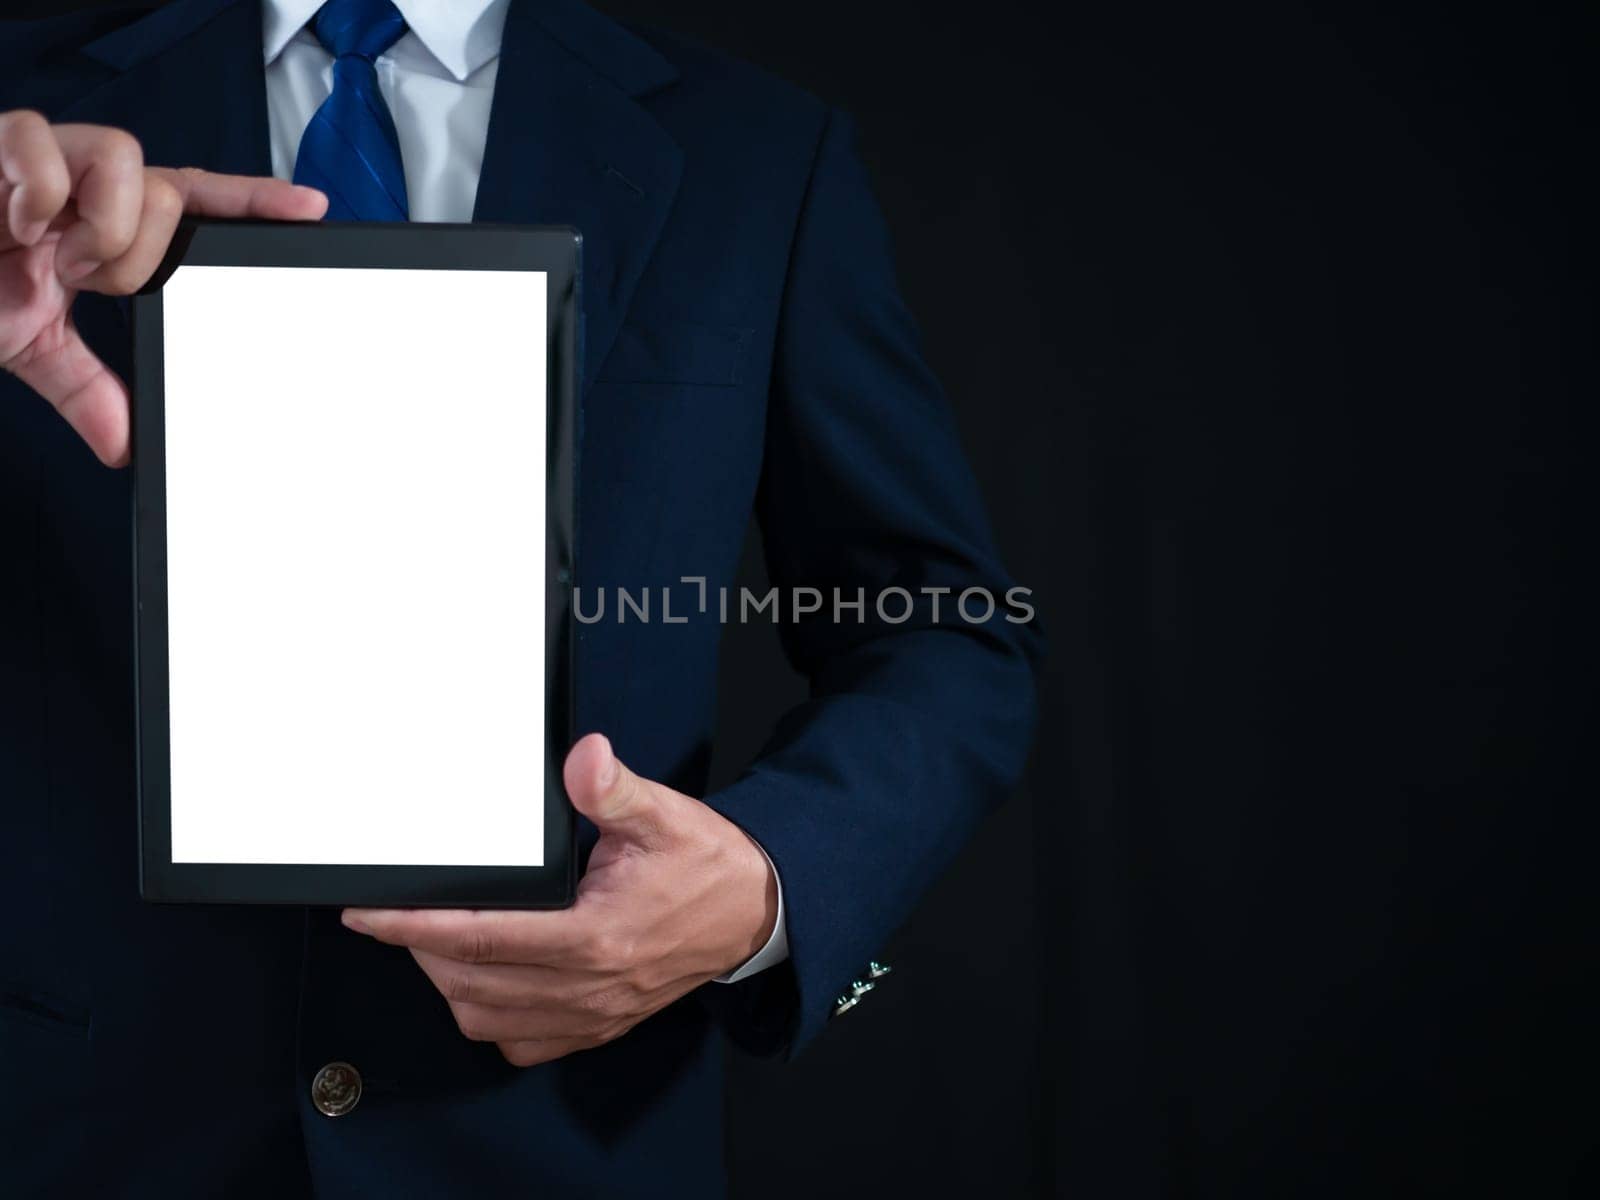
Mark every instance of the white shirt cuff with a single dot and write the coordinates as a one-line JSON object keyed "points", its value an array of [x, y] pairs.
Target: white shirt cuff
{"points": [[777, 947]]}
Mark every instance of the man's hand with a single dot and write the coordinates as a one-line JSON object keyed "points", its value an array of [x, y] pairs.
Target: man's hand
{"points": [[675, 895], [81, 212]]}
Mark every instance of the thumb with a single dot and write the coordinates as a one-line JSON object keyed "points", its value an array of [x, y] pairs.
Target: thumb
{"points": [[612, 796], [84, 391]]}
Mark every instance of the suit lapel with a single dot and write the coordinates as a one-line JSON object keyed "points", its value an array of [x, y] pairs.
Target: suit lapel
{"points": [[190, 85], [569, 145]]}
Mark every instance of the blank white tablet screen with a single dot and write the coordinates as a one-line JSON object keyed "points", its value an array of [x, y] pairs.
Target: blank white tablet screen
{"points": [[355, 565]]}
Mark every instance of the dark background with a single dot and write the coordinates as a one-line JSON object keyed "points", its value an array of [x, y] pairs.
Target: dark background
{"points": [[1266, 330]]}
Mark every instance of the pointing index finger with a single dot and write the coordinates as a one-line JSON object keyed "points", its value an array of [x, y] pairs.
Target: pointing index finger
{"points": [[208, 194]]}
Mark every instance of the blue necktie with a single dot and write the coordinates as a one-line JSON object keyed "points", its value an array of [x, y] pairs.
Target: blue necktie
{"points": [[350, 150]]}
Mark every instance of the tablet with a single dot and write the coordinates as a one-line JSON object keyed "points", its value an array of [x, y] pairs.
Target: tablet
{"points": [[353, 459]]}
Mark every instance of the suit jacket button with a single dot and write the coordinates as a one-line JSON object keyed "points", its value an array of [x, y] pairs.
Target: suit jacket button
{"points": [[336, 1089]]}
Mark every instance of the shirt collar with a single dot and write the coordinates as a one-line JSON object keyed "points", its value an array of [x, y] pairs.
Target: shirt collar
{"points": [[462, 34]]}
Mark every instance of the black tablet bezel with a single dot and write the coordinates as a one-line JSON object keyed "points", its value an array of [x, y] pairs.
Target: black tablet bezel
{"points": [[551, 249]]}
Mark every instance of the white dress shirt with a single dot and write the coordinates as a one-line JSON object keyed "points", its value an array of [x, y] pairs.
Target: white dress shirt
{"points": [[438, 81]]}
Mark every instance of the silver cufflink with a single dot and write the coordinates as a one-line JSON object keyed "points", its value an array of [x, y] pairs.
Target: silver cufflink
{"points": [[850, 999], [860, 987]]}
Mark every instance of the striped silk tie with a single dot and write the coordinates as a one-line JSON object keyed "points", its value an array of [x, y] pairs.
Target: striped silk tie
{"points": [[350, 150]]}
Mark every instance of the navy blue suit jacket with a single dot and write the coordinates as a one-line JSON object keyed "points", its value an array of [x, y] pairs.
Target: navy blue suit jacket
{"points": [[746, 351]]}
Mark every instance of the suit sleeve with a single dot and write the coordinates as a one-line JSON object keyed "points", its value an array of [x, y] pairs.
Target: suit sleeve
{"points": [[914, 725]]}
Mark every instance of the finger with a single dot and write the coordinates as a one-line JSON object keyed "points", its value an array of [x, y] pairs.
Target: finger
{"points": [[122, 276], [107, 169], [567, 937], [532, 1053], [613, 797], [500, 985], [35, 174], [483, 1023], [84, 391], [208, 194]]}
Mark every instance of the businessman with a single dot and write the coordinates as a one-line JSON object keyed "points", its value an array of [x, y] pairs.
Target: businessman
{"points": [[745, 352]]}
